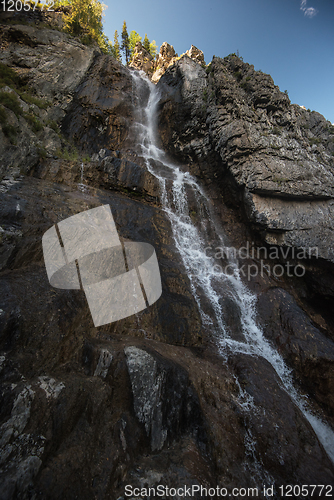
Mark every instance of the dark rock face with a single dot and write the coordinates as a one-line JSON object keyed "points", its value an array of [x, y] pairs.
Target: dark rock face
{"points": [[101, 112], [163, 400], [232, 124], [148, 400], [52, 64], [44, 328], [304, 347]]}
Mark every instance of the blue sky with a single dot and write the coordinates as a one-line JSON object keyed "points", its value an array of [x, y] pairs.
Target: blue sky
{"points": [[293, 40]]}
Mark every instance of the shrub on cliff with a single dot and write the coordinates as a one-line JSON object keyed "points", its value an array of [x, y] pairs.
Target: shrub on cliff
{"points": [[84, 19], [151, 47]]}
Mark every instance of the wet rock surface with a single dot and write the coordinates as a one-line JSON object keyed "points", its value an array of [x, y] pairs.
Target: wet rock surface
{"points": [[102, 109], [149, 399], [308, 350]]}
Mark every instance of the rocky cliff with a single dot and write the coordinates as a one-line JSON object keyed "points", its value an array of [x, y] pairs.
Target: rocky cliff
{"points": [[231, 122], [149, 399]]}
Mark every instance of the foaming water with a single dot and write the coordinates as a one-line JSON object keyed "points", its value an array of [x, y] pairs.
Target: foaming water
{"points": [[192, 240], [81, 185]]}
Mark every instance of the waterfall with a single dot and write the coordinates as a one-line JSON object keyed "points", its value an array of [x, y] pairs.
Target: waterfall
{"points": [[178, 189], [81, 185]]}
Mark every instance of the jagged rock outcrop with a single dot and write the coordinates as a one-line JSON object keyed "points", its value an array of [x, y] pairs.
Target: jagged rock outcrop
{"points": [[292, 223], [166, 57], [232, 122], [196, 54], [142, 59]]}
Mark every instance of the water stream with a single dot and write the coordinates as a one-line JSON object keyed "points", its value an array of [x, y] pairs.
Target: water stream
{"points": [[81, 185], [180, 193]]}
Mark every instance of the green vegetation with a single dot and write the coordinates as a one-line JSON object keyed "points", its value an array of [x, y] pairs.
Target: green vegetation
{"points": [[125, 46], [30, 99], [9, 77], [133, 39], [69, 154], [237, 75], [34, 122], [53, 124], [7, 129], [85, 20], [151, 47], [11, 101], [146, 43], [41, 152], [315, 140], [115, 49], [279, 180], [3, 116], [275, 131]]}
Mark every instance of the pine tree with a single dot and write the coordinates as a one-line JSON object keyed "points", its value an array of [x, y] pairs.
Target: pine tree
{"points": [[125, 43], [153, 48], [146, 43], [85, 16], [84, 19], [133, 39], [116, 50]]}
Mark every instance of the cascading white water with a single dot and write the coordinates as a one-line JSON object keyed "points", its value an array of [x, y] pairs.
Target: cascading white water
{"points": [[192, 241], [81, 186]]}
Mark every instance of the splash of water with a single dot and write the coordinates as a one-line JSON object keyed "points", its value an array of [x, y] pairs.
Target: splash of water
{"points": [[81, 185], [191, 240]]}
